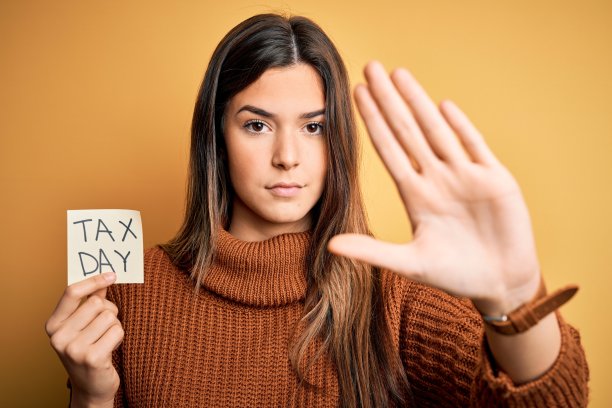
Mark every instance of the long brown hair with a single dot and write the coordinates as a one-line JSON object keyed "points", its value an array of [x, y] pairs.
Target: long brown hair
{"points": [[344, 301]]}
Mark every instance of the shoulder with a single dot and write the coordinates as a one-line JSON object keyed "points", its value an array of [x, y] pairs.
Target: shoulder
{"points": [[159, 272], [412, 293], [439, 336], [413, 304], [155, 258]]}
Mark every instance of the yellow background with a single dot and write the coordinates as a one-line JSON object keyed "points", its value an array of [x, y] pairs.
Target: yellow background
{"points": [[96, 100]]}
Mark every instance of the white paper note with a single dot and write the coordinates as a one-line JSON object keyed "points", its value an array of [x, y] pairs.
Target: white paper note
{"points": [[104, 241]]}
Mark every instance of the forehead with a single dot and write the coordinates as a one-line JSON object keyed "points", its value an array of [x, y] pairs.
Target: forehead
{"points": [[296, 88]]}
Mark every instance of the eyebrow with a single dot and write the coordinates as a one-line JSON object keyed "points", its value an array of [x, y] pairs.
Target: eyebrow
{"points": [[266, 114]]}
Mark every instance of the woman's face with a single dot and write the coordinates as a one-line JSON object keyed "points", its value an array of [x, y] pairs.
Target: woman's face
{"points": [[277, 152]]}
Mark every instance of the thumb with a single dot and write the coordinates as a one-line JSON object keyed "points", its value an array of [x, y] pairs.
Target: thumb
{"points": [[100, 293], [400, 258]]}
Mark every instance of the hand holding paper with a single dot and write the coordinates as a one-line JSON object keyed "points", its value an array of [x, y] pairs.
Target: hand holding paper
{"points": [[84, 331]]}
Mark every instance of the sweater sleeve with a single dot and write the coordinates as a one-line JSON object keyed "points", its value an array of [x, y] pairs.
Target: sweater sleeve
{"points": [[446, 357], [565, 384]]}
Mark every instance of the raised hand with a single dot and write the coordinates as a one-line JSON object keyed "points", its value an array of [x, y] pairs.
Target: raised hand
{"points": [[471, 227], [84, 331]]}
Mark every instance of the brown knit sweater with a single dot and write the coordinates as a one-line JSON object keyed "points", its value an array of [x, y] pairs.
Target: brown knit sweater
{"points": [[227, 345]]}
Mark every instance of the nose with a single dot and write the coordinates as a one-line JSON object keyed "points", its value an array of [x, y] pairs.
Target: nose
{"points": [[286, 151]]}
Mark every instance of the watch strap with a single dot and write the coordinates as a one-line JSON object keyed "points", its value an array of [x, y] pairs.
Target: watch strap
{"points": [[529, 314]]}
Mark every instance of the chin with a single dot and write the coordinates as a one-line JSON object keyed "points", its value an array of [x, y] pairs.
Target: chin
{"points": [[286, 218]]}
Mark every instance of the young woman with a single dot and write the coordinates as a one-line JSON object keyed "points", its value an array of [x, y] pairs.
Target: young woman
{"points": [[274, 294]]}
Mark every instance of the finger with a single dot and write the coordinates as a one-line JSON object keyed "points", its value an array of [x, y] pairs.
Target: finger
{"points": [[72, 296], [433, 125], [81, 319], [398, 258], [101, 293], [97, 327], [98, 354], [387, 146], [439, 134], [470, 137], [110, 340], [397, 115], [87, 312]]}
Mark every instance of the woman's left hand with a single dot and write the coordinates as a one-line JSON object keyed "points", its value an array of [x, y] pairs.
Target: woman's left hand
{"points": [[471, 227]]}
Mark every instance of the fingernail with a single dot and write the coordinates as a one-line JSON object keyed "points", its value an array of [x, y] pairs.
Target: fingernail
{"points": [[109, 276]]}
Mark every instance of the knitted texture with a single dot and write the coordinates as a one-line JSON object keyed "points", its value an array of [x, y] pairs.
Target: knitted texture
{"points": [[228, 344]]}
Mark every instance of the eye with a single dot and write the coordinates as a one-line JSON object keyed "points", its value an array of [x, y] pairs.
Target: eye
{"points": [[314, 128], [256, 126]]}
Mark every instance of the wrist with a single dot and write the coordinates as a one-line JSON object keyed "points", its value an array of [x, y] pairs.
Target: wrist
{"points": [[79, 399], [512, 299], [530, 313]]}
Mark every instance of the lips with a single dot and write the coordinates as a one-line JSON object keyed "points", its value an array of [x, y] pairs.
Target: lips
{"points": [[283, 189]]}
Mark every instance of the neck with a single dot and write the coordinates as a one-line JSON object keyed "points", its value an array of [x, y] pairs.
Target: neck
{"points": [[263, 274], [248, 226]]}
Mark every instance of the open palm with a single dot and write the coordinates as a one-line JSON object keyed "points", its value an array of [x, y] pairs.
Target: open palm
{"points": [[472, 231]]}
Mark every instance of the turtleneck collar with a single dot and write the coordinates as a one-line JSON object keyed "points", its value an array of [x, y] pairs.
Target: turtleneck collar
{"points": [[263, 273]]}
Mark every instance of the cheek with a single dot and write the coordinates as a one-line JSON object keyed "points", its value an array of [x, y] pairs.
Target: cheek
{"points": [[235, 168], [238, 166], [241, 170], [245, 167], [321, 162]]}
